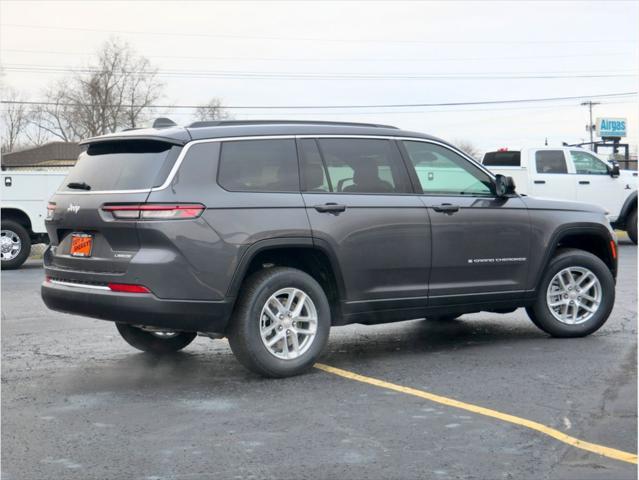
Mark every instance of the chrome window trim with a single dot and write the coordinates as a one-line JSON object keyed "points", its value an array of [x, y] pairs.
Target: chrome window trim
{"points": [[186, 148]]}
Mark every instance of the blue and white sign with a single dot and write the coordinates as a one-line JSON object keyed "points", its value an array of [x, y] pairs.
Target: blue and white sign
{"points": [[611, 127]]}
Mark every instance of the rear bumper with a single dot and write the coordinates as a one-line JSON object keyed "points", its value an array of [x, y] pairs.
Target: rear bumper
{"points": [[139, 309]]}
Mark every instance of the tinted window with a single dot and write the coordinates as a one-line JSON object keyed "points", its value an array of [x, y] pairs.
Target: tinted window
{"points": [[364, 166], [588, 164], [314, 178], [259, 166], [502, 159], [123, 165], [443, 171], [550, 161]]}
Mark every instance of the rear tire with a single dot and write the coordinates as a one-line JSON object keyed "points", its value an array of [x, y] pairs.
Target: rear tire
{"points": [[262, 334], [154, 342], [585, 269], [16, 245], [631, 226]]}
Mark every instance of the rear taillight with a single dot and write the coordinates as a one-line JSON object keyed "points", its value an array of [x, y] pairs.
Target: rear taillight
{"points": [[155, 211], [128, 288], [50, 210], [613, 249]]}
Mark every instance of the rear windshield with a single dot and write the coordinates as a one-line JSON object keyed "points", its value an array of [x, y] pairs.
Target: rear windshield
{"points": [[502, 159], [122, 165]]}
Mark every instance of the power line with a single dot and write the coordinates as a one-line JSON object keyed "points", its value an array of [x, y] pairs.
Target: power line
{"points": [[326, 76], [203, 72], [331, 59], [414, 112], [304, 39], [319, 107], [410, 112]]}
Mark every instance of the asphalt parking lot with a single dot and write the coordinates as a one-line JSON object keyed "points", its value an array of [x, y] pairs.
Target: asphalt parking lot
{"points": [[78, 402]]}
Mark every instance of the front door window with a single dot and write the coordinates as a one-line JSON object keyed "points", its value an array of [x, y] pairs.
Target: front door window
{"points": [[441, 171], [588, 164]]}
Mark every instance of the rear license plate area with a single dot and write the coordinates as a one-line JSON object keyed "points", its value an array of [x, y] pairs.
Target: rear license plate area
{"points": [[81, 244]]}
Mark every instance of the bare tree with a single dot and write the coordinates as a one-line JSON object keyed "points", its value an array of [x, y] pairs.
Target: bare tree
{"points": [[112, 93], [467, 147], [36, 135], [57, 117], [14, 120], [212, 111]]}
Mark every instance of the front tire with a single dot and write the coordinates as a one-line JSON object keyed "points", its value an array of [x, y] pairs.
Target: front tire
{"points": [[281, 323], [631, 225], [155, 342], [15, 244], [575, 296]]}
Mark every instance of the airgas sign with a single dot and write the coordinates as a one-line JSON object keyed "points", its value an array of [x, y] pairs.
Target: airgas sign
{"points": [[611, 127]]}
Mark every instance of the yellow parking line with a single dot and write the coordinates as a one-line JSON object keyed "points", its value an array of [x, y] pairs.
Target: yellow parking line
{"points": [[551, 432]]}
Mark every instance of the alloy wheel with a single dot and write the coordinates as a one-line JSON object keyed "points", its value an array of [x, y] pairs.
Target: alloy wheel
{"points": [[574, 295], [10, 244], [288, 323]]}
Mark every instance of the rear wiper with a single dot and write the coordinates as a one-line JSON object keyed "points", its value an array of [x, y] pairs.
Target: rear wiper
{"points": [[79, 185]]}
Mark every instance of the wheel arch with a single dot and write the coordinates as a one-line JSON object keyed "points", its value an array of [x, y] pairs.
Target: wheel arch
{"points": [[17, 215], [593, 238], [304, 253], [628, 206]]}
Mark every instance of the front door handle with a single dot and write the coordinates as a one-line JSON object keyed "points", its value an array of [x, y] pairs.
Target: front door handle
{"points": [[584, 182], [540, 182], [330, 208], [446, 208]]}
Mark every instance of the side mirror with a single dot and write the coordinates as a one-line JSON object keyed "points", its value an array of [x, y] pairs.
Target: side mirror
{"points": [[504, 185], [614, 170]]}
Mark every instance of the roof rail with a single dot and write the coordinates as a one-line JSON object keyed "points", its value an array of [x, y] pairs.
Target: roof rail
{"points": [[224, 123]]}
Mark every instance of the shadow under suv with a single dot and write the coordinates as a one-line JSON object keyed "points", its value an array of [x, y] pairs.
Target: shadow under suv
{"points": [[272, 232]]}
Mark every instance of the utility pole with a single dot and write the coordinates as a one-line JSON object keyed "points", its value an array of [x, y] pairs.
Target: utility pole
{"points": [[590, 127]]}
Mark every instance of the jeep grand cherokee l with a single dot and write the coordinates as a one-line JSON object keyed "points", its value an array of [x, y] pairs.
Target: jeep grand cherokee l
{"points": [[270, 233]]}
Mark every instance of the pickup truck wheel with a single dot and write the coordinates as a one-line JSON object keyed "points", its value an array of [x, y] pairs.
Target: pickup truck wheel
{"points": [[281, 323], [15, 244], [631, 224], [575, 296], [155, 342]]}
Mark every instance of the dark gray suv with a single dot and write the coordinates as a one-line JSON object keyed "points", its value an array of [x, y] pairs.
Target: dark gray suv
{"points": [[272, 232]]}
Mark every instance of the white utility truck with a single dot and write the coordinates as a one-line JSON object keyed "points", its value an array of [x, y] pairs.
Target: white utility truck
{"points": [[24, 208], [571, 173]]}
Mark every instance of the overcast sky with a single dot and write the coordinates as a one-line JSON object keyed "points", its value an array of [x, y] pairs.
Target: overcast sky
{"points": [[380, 47]]}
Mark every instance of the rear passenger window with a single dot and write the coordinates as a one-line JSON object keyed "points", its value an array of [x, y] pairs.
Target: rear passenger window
{"points": [[259, 166], [502, 159], [550, 161], [364, 166]]}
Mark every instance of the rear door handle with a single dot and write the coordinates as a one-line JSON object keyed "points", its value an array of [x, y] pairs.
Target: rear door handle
{"points": [[540, 182], [330, 208], [584, 182], [446, 208]]}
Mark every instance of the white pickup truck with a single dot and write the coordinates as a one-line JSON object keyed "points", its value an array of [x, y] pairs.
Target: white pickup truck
{"points": [[24, 208], [571, 173]]}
